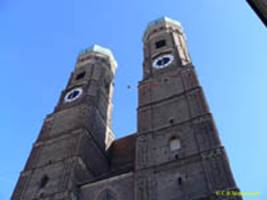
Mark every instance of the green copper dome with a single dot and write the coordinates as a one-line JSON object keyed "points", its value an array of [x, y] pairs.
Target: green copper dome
{"points": [[101, 50], [162, 20]]}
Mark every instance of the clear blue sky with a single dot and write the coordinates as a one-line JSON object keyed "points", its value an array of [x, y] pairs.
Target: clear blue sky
{"points": [[40, 40]]}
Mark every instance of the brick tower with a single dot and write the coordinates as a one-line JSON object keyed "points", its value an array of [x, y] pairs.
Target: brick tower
{"points": [[175, 154], [71, 147], [178, 151]]}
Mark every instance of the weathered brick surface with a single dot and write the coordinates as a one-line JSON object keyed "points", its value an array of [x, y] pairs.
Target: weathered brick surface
{"points": [[175, 154]]}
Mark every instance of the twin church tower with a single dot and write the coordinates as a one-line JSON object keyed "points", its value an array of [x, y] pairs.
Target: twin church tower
{"points": [[175, 154]]}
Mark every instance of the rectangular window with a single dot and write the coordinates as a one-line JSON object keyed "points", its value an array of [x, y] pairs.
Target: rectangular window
{"points": [[160, 44]]}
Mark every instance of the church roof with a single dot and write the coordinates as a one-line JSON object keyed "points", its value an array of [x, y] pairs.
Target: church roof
{"points": [[122, 154], [122, 157]]}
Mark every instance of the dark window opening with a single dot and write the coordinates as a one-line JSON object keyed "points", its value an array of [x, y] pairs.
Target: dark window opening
{"points": [[165, 80], [176, 157], [107, 87], [80, 76], [180, 180], [44, 181], [171, 121], [160, 44]]}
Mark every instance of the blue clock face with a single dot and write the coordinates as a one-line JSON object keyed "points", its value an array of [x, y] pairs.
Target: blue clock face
{"points": [[163, 61], [73, 94]]}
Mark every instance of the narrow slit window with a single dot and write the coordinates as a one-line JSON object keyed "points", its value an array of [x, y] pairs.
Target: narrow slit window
{"points": [[180, 181], [107, 87]]}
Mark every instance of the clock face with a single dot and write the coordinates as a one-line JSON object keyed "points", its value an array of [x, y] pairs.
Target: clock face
{"points": [[163, 61], [73, 94]]}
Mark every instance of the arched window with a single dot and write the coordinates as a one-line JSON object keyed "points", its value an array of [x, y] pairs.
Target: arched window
{"points": [[43, 181], [175, 144]]}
